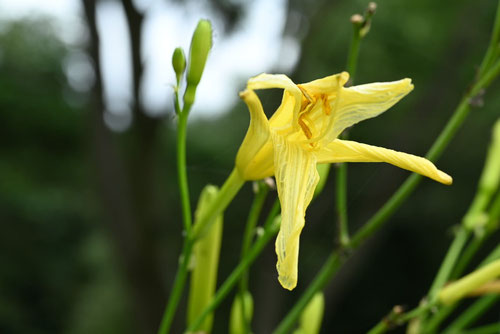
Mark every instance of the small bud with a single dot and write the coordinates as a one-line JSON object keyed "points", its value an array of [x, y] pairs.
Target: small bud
{"points": [[372, 7], [357, 19], [179, 63], [310, 320], [200, 46], [236, 321]]}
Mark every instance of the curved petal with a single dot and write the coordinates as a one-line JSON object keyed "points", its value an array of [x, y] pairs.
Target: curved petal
{"points": [[249, 167], [351, 151], [358, 103], [296, 179], [327, 84], [266, 81]]}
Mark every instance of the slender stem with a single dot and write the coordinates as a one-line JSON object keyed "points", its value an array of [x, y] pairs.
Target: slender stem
{"points": [[472, 313], [449, 262], [467, 255], [352, 57], [271, 228], [224, 197], [341, 203], [341, 171], [182, 172], [178, 287], [493, 48], [398, 319], [487, 329], [253, 217], [249, 233]]}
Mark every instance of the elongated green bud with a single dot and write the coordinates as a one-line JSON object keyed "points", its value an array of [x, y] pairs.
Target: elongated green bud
{"points": [[236, 323], [490, 178], [179, 63], [488, 184], [457, 290], [205, 263], [200, 46], [310, 320]]}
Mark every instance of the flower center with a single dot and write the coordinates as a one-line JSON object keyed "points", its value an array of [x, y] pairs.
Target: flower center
{"points": [[308, 113]]}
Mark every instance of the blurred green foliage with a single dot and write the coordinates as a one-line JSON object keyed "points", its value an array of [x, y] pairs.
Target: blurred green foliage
{"points": [[59, 270]]}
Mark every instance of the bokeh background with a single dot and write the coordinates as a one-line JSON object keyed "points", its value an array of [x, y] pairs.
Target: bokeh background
{"points": [[89, 209]]}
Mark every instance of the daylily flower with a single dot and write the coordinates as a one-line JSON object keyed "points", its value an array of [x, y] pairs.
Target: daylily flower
{"points": [[302, 133]]}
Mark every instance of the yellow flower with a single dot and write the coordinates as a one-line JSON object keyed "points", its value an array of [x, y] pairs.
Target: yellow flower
{"points": [[302, 133]]}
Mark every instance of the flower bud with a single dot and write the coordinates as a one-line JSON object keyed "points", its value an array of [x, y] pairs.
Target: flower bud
{"points": [[236, 322], [457, 290], [205, 263], [310, 320], [179, 63], [200, 46]]}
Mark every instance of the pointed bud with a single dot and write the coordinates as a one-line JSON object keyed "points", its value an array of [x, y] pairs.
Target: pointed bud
{"points": [[200, 46], [238, 324], [205, 263], [310, 320], [179, 63], [467, 284]]}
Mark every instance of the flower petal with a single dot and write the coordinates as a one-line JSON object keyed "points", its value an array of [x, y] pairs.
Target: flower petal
{"points": [[351, 151], [266, 81], [251, 162], [358, 103], [326, 85], [296, 179]]}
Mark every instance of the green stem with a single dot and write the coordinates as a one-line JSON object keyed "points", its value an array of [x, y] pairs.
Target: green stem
{"points": [[182, 172], [253, 217], [352, 57], [488, 329], [398, 319], [492, 52], [341, 203], [224, 197], [449, 262], [271, 228], [178, 287], [472, 313], [341, 171], [467, 255]]}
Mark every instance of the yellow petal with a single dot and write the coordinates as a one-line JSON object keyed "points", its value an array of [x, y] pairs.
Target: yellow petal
{"points": [[296, 179], [355, 104], [251, 162], [351, 151], [266, 81], [326, 85]]}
